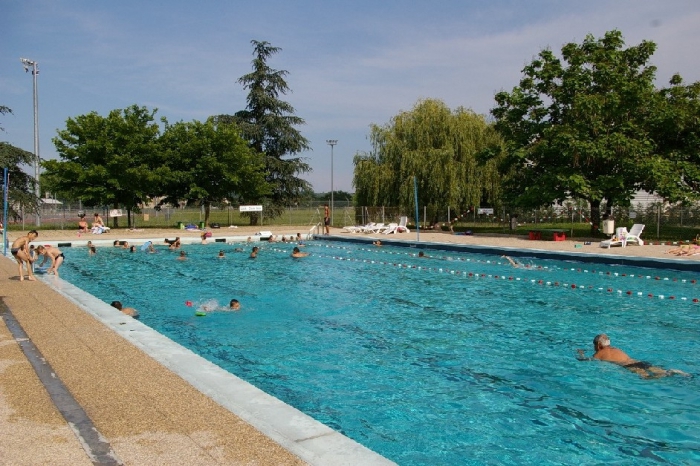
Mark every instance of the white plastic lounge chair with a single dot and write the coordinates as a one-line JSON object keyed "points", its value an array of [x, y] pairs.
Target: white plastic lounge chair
{"points": [[359, 228], [375, 228], [356, 228], [398, 228], [622, 236], [620, 239], [633, 236], [391, 228]]}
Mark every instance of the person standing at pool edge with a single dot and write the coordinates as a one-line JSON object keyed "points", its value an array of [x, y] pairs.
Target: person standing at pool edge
{"points": [[20, 251], [327, 219], [607, 353]]}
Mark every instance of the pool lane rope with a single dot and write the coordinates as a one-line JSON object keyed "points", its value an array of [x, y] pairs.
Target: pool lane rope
{"points": [[482, 275], [530, 267]]}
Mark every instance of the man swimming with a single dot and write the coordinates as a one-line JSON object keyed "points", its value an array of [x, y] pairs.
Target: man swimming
{"points": [[605, 352]]}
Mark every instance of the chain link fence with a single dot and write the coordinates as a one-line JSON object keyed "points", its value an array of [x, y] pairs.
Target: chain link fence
{"points": [[662, 221]]}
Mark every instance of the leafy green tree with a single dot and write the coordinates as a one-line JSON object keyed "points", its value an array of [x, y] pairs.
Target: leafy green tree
{"points": [[107, 160], [208, 163], [578, 126], [674, 170], [21, 191], [268, 124], [437, 146], [21, 196], [4, 110]]}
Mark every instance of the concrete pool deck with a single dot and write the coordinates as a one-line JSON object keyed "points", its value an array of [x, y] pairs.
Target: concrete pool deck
{"points": [[142, 408]]}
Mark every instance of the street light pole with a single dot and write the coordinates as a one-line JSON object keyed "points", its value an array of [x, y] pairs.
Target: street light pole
{"points": [[35, 72], [331, 142]]}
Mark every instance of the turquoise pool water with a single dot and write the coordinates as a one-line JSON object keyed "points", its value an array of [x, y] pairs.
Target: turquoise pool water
{"points": [[453, 359]]}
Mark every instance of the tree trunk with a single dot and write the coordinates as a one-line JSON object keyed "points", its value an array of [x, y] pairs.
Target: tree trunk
{"points": [[207, 211]]}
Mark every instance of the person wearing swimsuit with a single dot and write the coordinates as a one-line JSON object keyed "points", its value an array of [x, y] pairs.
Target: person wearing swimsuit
{"points": [[20, 251], [605, 352], [54, 254]]}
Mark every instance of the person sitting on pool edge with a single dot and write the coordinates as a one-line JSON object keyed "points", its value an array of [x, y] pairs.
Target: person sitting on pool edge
{"points": [[130, 311], [607, 353], [234, 305]]}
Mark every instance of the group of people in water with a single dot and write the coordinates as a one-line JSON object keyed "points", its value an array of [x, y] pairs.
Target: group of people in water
{"points": [[26, 254]]}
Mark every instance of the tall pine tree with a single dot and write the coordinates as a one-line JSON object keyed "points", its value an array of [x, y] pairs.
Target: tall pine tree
{"points": [[268, 124]]}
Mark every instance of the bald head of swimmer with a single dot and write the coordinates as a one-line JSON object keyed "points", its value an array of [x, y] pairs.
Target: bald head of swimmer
{"points": [[601, 341]]}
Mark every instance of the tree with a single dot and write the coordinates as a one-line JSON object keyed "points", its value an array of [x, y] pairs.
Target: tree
{"points": [[674, 170], [21, 186], [268, 124], [437, 146], [108, 161], [578, 126], [20, 193], [209, 163]]}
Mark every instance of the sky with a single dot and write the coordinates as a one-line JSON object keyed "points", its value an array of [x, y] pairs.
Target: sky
{"points": [[351, 64]]}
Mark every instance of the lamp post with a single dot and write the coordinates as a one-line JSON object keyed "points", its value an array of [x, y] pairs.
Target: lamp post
{"points": [[331, 142], [33, 65]]}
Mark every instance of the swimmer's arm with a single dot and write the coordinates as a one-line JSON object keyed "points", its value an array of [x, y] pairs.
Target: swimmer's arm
{"points": [[582, 356]]}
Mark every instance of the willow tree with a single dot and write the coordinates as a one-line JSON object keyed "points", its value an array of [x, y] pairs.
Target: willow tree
{"points": [[437, 146]]}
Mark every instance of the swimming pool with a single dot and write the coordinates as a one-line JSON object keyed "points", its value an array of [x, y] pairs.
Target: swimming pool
{"points": [[452, 359]]}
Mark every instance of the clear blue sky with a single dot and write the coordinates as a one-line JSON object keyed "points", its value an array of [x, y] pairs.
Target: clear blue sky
{"points": [[350, 63]]}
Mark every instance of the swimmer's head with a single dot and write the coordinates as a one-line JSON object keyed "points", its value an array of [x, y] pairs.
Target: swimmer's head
{"points": [[117, 304], [601, 341], [234, 304], [296, 249]]}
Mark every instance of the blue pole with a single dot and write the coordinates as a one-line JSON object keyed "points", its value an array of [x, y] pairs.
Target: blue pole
{"points": [[415, 196], [5, 188]]}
